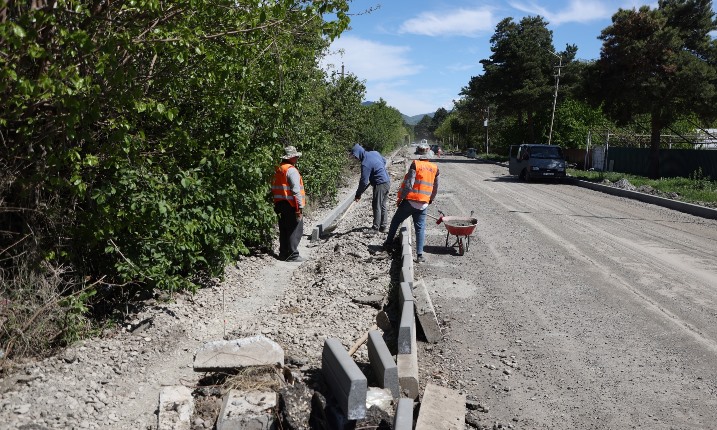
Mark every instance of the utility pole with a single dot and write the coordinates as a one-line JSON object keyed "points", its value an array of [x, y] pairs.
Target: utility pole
{"points": [[555, 97], [485, 125]]}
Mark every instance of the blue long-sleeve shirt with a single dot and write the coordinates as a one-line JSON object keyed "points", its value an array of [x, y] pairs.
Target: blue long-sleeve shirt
{"points": [[373, 168]]}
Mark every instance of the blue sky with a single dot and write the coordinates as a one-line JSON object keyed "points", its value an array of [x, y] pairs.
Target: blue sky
{"points": [[417, 55]]}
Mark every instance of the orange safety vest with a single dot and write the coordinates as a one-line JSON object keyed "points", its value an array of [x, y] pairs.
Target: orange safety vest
{"points": [[281, 190], [423, 184]]}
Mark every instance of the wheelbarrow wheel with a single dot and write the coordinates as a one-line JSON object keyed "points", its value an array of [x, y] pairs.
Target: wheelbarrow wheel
{"points": [[461, 251]]}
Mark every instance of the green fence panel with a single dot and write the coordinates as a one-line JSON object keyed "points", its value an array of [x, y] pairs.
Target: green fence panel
{"points": [[673, 162]]}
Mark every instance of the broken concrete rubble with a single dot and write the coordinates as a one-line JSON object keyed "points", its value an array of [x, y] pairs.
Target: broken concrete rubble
{"points": [[248, 410], [234, 354]]}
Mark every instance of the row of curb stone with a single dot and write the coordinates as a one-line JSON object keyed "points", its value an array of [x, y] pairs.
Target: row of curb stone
{"points": [[440, 408]]}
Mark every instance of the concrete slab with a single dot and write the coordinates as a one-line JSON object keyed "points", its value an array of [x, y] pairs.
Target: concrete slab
{"points": [[425, 312], [441, 409], [248, 410], [345, 379], [403, 419], [408, 372], [176, 406], [382, 363], [237, 353]]}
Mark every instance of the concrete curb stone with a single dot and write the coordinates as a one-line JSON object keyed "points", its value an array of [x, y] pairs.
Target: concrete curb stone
{"points": [[345, 379], [382, 363]]}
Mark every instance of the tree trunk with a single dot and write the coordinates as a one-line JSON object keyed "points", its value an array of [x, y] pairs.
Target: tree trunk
{"points": [[520, 127], [531, 128], [653, 169]]}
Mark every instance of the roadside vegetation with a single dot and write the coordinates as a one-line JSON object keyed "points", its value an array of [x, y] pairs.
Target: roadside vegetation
{"points": [[137, 143], [695, 189]]}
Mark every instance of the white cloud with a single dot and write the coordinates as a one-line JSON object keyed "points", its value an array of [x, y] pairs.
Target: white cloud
{"points": [[371, 61], [461, 22], [411, 102], [581, 11], [388, 72]]}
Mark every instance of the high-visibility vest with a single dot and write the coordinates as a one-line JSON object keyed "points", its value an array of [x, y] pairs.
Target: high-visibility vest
{"points": [[281, 190], [423, 185]]}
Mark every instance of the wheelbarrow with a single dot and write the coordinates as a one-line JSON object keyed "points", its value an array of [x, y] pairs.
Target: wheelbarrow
{"points": [[459, 226]]}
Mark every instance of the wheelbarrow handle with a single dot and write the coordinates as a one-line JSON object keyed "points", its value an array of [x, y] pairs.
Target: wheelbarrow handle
{"points": [[439, 219]]}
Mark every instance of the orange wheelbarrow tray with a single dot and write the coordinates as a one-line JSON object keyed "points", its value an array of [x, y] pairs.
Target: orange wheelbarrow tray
{"points": [[461, 227]]}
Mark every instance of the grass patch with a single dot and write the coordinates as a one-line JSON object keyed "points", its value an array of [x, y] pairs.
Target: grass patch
{"points": [[496, 158], [695, 189]]}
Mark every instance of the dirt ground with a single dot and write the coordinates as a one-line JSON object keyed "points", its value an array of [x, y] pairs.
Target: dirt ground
{"points": [[570, 309]]}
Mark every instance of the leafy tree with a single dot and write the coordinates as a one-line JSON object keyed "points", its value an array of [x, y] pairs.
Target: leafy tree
{"points": [[574, 120], [518, 76], [659, 62], [452, 130], [138, 137], [438, 118], [423, 128], [383, 127]]}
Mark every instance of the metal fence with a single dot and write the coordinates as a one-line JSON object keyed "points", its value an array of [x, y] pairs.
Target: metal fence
{"points": [[673, 162]]}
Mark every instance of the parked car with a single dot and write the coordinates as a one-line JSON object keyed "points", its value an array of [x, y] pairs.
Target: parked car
{"points": [[471, 153], [437, 150], [533, 161]]}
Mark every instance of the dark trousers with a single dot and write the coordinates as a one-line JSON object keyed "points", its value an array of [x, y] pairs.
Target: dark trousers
{"points": [[379, 202], [290, 230]]}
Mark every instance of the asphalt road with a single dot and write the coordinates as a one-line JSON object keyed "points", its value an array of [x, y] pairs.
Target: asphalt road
{"points": [[572, 308]]}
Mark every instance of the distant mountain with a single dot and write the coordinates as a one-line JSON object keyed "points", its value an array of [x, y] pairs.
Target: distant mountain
{"points": [[413, 120], [410, 120]]}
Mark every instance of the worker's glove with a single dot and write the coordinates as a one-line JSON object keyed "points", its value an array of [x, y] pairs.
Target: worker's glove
{"points": [[357, 199]]}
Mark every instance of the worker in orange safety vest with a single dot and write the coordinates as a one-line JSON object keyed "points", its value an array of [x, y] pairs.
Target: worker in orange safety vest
{"points": [[418, 190], [287, 189]]}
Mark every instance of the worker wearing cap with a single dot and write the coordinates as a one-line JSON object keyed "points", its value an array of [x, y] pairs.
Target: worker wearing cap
{"points": [[418, 190], [287, 189]]}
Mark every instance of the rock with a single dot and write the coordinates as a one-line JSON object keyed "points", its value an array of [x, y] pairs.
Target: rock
{"points": [[624, 184], [377, 300], [238, 353], [176, 407]]}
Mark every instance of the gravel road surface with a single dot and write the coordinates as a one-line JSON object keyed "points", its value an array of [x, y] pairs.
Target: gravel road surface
{"points": [[572, 308]]}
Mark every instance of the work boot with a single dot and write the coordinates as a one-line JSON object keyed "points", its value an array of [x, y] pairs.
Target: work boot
{"points": [[420, 258], [388, 247], [296, 259], [383, 229]]}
